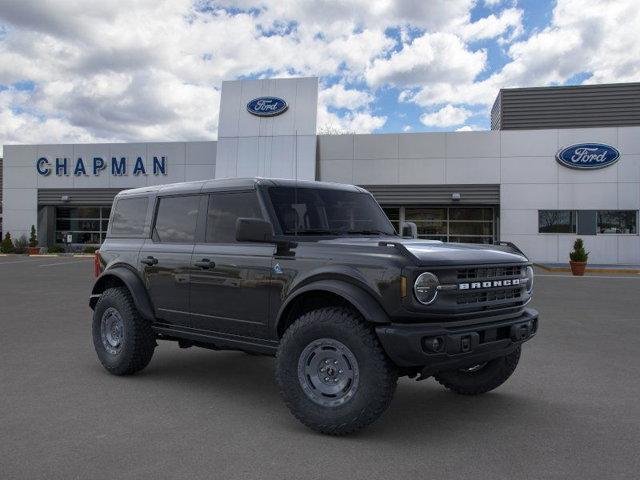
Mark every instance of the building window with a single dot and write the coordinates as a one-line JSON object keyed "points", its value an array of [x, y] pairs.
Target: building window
{"points": [[86, 225], [556, 221], [453, 224], [618, 221]]}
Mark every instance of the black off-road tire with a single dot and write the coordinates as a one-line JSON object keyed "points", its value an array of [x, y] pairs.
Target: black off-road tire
{"points": [[483, 380], [137, 340], [377, 376]]}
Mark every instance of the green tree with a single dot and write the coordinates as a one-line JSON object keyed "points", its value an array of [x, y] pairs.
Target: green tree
{"points": [[33, 238], [7, 244], [579, 254]]}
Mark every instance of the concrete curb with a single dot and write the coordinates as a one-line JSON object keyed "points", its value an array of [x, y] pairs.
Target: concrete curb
{"points": [[591, 269]]}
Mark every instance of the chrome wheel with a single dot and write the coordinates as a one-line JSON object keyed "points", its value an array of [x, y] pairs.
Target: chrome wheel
{"points": [[112, 330], [328, 372]]}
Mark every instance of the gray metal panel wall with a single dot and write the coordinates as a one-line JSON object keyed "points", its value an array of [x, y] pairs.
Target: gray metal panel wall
{"points": [[435, 194], [77, 196], [579, 106]]}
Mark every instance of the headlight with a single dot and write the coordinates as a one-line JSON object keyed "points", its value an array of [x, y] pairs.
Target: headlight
{"points": [[426, 288], [529, 274]]}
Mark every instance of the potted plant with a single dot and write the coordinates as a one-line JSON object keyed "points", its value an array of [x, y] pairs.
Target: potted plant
{"points": [[21, 245], [7, 244], [578, 258], [33, 242]]}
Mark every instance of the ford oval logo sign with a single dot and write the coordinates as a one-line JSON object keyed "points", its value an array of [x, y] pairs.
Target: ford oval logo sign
{"points": [[588, 156], [267, 106]]}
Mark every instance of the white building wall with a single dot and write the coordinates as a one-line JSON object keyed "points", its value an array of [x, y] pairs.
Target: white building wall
{"points": [[184, 160], [279, 146], [521, 162]]}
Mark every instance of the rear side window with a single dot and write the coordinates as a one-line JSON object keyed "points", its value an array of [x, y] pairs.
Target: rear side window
{"points": [[128, 217], [176, 219], [224, 210]]}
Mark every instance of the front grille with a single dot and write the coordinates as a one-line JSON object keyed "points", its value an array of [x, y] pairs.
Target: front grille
{"points": [[489, 272], [489, 296]]}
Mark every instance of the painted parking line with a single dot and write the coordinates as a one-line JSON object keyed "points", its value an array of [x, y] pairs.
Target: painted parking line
{"points": [[621, 277], [63, 263], [31, 260]]}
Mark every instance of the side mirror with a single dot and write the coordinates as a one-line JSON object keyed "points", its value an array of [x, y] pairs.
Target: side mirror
{"points": [[409, 230], [254, 230]]}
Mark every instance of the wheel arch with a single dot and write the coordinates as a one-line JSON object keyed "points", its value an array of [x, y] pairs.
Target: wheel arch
{"points": [[326, 293], [123, 277]]}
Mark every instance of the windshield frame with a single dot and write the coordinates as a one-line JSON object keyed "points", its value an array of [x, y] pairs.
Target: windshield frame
{"points": [[278, 230]]}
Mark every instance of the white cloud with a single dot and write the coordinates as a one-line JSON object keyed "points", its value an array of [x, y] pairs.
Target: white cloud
{"points": [[407, 128], [469, 128], [509, 20], [447, 116], [151, 69], [338, 96], [432, 57]]}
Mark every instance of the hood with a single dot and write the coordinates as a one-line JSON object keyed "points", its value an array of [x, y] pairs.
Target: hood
{"points": [[433, 252]]}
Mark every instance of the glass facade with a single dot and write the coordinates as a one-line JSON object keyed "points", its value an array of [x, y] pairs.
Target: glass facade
{"points": [[86, 225], [448, 224]]}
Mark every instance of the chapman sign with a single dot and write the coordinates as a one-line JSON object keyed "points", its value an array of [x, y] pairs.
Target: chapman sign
{"points": [[588, 156], [96, 165], [267, 106]]}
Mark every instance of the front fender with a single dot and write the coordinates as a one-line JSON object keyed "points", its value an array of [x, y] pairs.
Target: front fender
{"points": [[133, 283], [366, 304]]}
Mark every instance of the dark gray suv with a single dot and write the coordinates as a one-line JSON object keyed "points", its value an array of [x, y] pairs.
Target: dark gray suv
{"points": [[314, 274]]}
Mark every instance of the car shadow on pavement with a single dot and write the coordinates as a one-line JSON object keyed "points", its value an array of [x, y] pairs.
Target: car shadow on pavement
{"points": [[420, 410]]}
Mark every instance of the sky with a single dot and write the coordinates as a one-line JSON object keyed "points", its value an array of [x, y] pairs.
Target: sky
{"points": [[77, 71]]}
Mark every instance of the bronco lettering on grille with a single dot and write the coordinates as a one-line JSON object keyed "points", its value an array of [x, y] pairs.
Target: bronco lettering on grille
{"points": [[489, 284]]}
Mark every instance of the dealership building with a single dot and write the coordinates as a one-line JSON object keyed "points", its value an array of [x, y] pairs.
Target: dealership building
{"points": [[559, 163]]}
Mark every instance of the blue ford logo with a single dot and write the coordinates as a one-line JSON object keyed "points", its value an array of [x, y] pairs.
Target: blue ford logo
{"points": [[267, 106], [588, 156]]}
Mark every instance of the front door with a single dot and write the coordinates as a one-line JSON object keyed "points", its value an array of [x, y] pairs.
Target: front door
{"points": [[165, 259], [230, 281]]}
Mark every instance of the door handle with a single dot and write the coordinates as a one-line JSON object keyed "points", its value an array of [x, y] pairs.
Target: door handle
{"points": [[205, 264], [149, 260]]}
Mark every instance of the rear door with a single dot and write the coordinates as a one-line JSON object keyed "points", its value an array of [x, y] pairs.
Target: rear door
{"points": [[230, 280], [165, 258]]}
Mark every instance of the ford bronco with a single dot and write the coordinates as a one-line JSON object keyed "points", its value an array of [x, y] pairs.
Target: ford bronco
{"points": [[314, 274]]}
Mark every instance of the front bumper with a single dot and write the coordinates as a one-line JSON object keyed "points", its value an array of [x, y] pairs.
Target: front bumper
{"points": [[412, 345]]}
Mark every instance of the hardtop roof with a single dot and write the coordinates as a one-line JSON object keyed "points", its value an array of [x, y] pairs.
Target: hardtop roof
{"points": [[226, 184]]}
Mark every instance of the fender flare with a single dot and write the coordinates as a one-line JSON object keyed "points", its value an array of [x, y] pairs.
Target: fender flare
{"points": [[133, 283], [366, 304]]}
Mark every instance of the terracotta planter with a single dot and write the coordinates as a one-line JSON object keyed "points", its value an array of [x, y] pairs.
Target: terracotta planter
{"points": [[34, 250], [578, 268]]}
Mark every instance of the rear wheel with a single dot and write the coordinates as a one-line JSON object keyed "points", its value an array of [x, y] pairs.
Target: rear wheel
{"points": [[332, 372], [480, 378], [123, 340]]}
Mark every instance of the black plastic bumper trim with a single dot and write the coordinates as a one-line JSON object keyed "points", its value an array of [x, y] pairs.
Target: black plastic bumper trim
{"points": [[461, 346]]}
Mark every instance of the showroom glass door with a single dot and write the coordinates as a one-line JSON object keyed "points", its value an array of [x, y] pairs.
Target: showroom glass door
{"points": [[448, 224], [86, 225]]}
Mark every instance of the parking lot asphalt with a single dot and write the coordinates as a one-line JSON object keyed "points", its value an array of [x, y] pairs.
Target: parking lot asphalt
{"points": [[571, 410]]}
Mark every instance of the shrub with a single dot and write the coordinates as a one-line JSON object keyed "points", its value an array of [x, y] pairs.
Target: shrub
{"points": [[579, 254], [33, 238], [20, 245], [89, 250], [7, 244], [56, 249]]}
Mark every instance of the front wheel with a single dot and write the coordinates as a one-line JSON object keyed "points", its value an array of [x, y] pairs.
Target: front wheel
{"points": [[332, 372], [481, 378]]}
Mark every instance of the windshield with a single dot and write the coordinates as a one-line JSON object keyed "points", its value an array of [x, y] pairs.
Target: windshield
{"points": [[311, 211]]}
